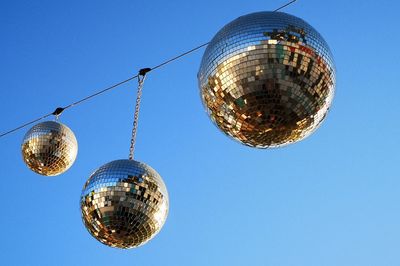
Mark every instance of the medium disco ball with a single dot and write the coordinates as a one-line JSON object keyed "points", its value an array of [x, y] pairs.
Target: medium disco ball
{"points": [[124, 203], [267, 79], [49, 148]]}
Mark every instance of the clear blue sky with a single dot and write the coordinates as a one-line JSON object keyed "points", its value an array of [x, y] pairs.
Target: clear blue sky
{"points": [[332, 199]]}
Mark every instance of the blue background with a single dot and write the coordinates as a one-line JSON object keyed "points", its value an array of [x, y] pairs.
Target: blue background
{"points": [[332, 199]]}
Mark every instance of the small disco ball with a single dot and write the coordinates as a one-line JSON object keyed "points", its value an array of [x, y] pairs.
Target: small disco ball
{"points": [[267, 79], [124, 204], [49, 148]]}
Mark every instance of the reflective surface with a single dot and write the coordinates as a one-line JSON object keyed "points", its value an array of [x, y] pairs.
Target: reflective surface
{"points": [[49, 148], [124, 203], [267, 79]]}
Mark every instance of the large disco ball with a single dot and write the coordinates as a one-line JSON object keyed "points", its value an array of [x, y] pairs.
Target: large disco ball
{"points": [[267, 79], [124, 203], [49, 148]]}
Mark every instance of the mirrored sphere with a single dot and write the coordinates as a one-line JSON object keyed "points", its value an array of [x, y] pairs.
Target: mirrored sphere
{"points": [[124, 203], [49, 148], [267, 79]]}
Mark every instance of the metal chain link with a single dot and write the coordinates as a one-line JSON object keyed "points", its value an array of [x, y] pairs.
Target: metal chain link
{"points": [[141, 79]]}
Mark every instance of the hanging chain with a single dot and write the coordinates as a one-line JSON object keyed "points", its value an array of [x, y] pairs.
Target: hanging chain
{"points": [[141, 77]]}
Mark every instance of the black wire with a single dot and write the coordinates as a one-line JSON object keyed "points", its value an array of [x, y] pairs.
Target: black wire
{"points": [[26, 124], [285, 5], [100, 92], [179, 56], [103, 91], [59, 110], [134, 77]]}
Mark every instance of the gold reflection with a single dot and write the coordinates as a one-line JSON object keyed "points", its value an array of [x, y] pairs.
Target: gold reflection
{"points": [[124, 204], [273, 91], [49, 148]]}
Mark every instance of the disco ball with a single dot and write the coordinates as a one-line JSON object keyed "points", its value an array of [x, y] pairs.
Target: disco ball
{"points": [[49, 148], [124, 203], [267, 79]]}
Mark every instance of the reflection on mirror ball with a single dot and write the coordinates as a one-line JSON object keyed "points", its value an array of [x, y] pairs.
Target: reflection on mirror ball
{"points": [[124, 203], [49, 148], [267, 79]]}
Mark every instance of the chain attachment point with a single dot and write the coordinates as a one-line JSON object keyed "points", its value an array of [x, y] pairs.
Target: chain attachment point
{"points": [[58, 112], [144, 71]]}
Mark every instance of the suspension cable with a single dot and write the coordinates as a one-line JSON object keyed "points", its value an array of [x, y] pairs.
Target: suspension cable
{"points": [[59, 110], [285, 5]]}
